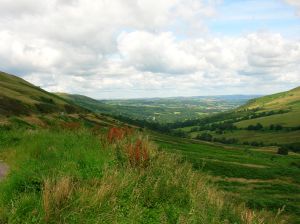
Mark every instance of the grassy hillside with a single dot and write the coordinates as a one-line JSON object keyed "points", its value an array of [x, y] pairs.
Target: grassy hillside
{"points": [[87, 174], [288, 101], [284, 100], [18, 97], [268, 120], [87, 102]]}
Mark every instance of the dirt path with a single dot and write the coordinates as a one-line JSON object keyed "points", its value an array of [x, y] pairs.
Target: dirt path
{"points": [[3, 170]]}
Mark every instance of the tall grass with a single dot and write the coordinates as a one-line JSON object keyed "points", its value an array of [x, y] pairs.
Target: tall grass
{"points": [[81, 177]]}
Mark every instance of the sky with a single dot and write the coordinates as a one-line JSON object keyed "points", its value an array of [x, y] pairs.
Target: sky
{"points": [[152, 48]]}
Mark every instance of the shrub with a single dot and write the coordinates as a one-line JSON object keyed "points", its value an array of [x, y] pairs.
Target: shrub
{"points": [[205, 137], [46, 100], [278, 127], [258, 126], [179, 133], [46, 107], [282, 150]]}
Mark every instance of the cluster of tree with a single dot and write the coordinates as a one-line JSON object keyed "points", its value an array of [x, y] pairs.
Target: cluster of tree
{"points": [[258, 126], [205, 137], [225, 121], [208, 137], [293, 128], [226, 140], [254, 143], [266, 113], [220, 127], [279, 127], [275, 127], [252, 114], [294, 147]]}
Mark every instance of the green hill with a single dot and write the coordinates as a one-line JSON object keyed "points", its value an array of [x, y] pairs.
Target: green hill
{"points": [[19, 97], [279, 101], [288, 102], [86, 102]]}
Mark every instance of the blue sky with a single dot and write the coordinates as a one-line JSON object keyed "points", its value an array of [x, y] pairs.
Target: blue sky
{"points": [[236, 17]]}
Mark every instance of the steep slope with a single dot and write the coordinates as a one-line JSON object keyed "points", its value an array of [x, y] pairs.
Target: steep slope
{"points": [[18, 97], [289, 100], [86, 102]]}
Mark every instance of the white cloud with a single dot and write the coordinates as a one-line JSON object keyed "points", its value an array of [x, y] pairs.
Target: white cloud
{"points": [[295, 3], [122, 48], [156, 53]]}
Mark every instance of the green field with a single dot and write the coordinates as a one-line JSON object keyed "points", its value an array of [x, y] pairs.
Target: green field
{"points": [[291, 119], [267, 137], [257, 176]]}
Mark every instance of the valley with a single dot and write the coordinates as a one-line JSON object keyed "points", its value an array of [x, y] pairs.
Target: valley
{"points": [[161, 110], [77, 148]]}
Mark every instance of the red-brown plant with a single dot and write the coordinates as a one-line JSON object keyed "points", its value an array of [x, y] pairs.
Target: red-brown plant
{"points": [[138, 154], [71, 125], [117, 134]]}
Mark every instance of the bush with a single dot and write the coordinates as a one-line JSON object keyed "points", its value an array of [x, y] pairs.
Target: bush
{"points": [[46, 107], [205, 137], [254, 143], [226, 140], [295, 147], [258, 126], [282, 150]]}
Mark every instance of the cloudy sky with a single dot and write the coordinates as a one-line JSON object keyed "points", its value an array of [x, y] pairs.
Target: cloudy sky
{"points": [[150, 48]]}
